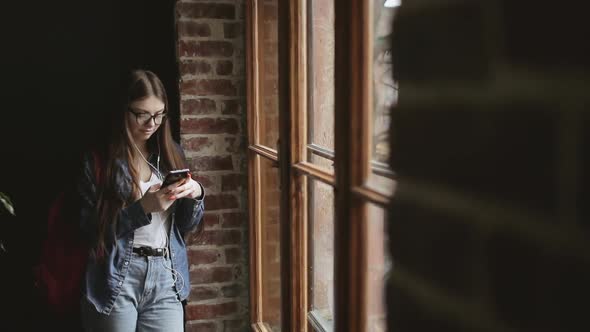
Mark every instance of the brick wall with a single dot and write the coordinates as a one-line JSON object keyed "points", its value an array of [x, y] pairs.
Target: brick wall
{"points": [[213, 134]]}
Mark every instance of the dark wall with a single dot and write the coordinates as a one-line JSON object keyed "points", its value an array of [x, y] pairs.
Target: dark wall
{"points": [[61, 63]]}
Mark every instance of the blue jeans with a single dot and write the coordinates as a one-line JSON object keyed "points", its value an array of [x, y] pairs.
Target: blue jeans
{"points": [[147, 301]]}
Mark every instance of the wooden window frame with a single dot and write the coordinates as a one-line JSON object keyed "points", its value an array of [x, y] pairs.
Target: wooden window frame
{"points": [[352, 163]]}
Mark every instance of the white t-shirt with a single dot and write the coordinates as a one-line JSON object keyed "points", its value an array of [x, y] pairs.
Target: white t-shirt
{"points": [[154, 235]]}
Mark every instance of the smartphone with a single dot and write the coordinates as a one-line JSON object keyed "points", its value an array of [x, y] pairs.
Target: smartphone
{"points": [[175, 176]]}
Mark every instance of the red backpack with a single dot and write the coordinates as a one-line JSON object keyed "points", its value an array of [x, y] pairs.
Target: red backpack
{"points": [[62, 263]]}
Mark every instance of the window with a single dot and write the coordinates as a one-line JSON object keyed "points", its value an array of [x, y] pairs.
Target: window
{"points": [[320, 94], [320, 87], [321, 258], [384, 95], [264, 177], [270, 243]]}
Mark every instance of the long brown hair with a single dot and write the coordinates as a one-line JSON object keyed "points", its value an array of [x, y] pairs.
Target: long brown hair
{"points": [[140, 84]]}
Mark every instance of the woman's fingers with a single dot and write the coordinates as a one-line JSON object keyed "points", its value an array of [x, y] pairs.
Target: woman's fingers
{"points": [[173, 186], [183, 193], [185, 189], [180, 188]]}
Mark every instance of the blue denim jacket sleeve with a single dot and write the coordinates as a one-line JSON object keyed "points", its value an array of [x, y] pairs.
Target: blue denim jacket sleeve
{"points": [[189, 212], [129, 218]]}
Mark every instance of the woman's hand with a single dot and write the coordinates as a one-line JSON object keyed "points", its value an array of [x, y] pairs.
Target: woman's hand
{"points": [[157, 199], [188, 188]]}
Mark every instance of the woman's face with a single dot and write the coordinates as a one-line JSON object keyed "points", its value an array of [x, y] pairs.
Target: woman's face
{"points": [[144, 117]]}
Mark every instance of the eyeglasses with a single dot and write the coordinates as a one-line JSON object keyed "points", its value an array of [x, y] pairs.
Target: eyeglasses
{"points": [[143, 118]]}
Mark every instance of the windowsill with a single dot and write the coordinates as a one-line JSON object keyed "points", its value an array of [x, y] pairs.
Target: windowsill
{"points": [[319, 323]]}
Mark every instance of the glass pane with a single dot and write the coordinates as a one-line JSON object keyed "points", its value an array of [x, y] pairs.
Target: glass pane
{"points": [[321, 73], [382, 182], [270, 241], [321, 217], [322, 162], [268, 73], [385, 93], [379, 264]]}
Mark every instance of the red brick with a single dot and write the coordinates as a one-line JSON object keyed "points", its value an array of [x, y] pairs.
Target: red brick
{"points": [[233, 30], [212, 163], [231, 182], [201, 327], [235, 325], [234, 145], [234, 219], [216, 237], [200, 293], [233, 256], [206, 275], [196, 144], [206, 181], [206, 10], [194, 67], [224, 67], [241, 12], [211, 79], [221, 202], [205, 48], [233, 290], [207, 87], [203, 256], [210, 219], [210, 311], [210, 126], [194, 29], [241, 86], [231, 106], [198, 106]]}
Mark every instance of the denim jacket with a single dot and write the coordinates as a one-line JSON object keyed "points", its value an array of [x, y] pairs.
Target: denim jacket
{"points": [[104, 277]]}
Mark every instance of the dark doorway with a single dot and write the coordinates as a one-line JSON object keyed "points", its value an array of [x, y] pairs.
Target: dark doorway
{"points": [[61, 65]]}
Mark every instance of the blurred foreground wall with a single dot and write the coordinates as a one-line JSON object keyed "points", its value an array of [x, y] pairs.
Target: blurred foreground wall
{"points": [[489, 225]]}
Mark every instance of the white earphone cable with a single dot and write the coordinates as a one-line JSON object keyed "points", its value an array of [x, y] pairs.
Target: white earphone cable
{"points": [[157, 169], [175, 274]]}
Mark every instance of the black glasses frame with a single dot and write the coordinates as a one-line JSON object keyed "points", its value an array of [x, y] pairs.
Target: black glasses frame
{"points": [[151, 117]]}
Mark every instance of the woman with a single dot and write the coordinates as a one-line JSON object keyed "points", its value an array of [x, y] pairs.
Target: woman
{"points": [[137, 272]]}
